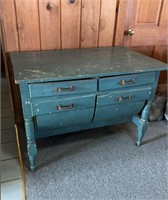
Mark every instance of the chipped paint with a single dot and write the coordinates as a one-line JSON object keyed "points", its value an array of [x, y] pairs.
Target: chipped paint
{"points": [[139, 69], [101, 63], [35, 71], [27, 102]]}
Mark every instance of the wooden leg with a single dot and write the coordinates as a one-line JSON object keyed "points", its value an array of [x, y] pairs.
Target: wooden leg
{"points": [[142, 123], [141, 131], [31, 143]]}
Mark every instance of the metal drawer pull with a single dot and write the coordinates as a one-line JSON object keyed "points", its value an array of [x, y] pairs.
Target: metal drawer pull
{"points": [[59, 89], [123, 82], [124, 98], [67, 107]]}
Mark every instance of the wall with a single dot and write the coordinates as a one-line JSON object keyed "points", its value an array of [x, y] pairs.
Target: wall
{"points": [[43, 24]]}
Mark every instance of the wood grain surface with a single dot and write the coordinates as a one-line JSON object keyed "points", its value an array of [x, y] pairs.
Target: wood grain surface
{"points": [[90, 23], [49, 15], [9, 26], [107, 22], [70, 24], [28, 24]]}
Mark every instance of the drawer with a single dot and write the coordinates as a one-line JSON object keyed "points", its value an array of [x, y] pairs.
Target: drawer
{"points": [[117, 82], [63, 105], [67, 113], [64, 119], [121, 105], [124, 96], [118, 112], [62, 88]]}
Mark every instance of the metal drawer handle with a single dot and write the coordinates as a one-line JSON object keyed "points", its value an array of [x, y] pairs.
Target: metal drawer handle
{"points": [[124, 98], [67, 107], [123, 82], [59, 89]]}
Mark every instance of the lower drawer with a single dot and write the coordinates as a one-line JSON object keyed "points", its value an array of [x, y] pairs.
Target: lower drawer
{"points": [[64, 112], [124, 96], [118, 112], [120, 105], [64, 119], [63, 105]]}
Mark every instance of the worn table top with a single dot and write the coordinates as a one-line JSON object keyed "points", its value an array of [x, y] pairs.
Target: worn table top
{"points": [[82, 63]]}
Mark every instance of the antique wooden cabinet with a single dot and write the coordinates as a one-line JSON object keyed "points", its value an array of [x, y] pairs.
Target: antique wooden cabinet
{"points": [[71, 90]]}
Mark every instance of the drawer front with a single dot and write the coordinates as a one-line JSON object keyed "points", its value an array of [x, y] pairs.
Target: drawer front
{"points": [[126, 81], [124, 96], [121, 105], [63, 105], [62, 88], [118, 112], [64, 119]]}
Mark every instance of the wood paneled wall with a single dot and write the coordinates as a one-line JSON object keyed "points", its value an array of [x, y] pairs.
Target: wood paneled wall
{"points": [[57, 24]]}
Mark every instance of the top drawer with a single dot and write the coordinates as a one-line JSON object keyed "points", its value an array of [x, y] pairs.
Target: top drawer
{"points": [[126, 81], [62, 88]]}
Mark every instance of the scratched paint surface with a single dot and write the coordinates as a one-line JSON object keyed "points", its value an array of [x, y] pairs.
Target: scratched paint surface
{"points": [[83, 63]]}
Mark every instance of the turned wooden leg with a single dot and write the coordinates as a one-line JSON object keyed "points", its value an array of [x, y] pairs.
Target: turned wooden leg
{"points": [[142, 123], [31, 144], [141, 131]]}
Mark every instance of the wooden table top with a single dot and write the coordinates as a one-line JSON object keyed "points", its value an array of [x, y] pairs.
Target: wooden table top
{"points": [[41, 66]]}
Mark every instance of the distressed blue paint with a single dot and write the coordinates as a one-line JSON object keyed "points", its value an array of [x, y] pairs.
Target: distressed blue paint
{"points": [[37, 66], [145, 112], [119, 82], [62, 88], [31, 143], [64, 130], [142, 123], [117, 111], [52, 106], [72, 90], [124, 96], [64, 119]]}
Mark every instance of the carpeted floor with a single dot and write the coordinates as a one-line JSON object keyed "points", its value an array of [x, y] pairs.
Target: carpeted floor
{"points": [[101, 164]]}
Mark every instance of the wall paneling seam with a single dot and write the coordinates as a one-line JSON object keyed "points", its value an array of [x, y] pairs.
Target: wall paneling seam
{"points": [[98, 37], [38, 8]]}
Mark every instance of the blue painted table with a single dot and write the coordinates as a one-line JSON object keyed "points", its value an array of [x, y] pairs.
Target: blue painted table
{"points": [[71, 90]]}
